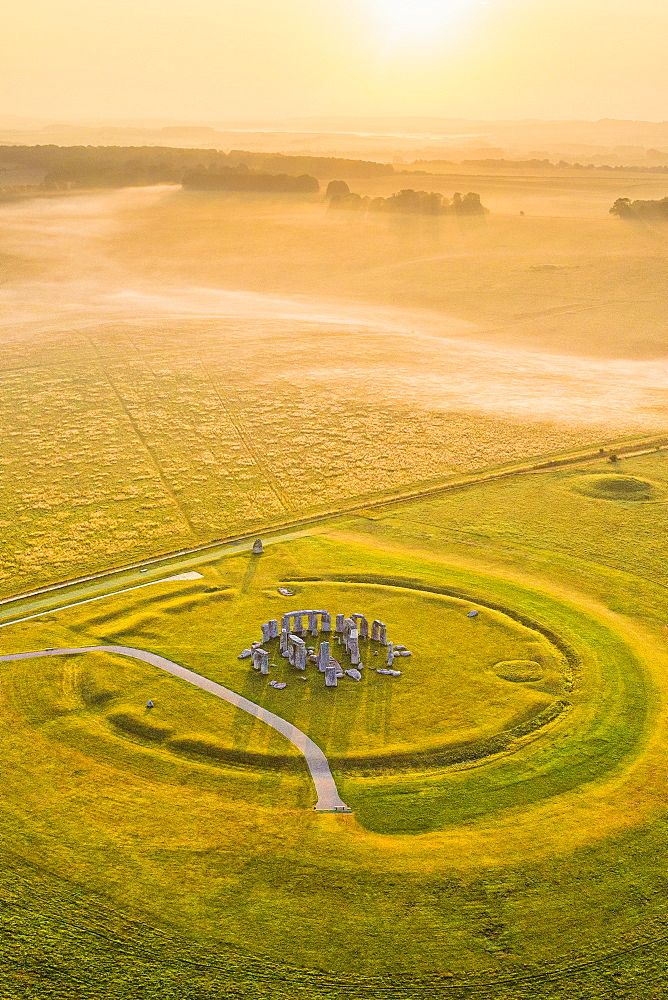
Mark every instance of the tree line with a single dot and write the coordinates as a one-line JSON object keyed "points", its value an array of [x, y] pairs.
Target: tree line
{"points": [[407, 202], [136, 166], [624, 208], [230, 179]]}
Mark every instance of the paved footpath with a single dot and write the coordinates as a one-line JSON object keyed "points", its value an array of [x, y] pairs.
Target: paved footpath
{"points": [[325, 786]]}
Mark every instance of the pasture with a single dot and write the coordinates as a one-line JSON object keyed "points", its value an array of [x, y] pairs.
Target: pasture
{"points": [[496, 848]]}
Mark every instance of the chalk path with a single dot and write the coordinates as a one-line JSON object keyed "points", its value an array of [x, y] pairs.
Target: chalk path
{"points": [[325, 786]]}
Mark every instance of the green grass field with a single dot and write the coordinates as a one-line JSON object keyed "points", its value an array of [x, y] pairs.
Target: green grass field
{"points": [[509, 788]]}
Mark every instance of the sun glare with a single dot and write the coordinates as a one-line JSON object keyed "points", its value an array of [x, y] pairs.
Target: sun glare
{"points": [[415, 20]]}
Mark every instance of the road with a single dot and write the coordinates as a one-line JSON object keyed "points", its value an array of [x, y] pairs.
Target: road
{"points": [[318, 765]]}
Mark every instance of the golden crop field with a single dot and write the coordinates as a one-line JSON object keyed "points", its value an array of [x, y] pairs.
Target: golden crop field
{"points": [[175, 368]]}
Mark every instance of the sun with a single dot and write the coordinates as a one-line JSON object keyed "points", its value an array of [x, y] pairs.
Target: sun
{"points": [[416, 20]]}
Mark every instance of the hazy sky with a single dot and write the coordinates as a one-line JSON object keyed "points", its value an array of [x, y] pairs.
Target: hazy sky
{"points": [[221, 59]]}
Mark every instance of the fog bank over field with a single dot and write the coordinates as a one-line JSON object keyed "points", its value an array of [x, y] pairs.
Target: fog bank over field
{"points": [[417, 357], [176, 367]]}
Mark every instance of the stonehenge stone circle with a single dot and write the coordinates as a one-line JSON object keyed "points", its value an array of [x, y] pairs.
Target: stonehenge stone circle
{"points": [[348, 632]]}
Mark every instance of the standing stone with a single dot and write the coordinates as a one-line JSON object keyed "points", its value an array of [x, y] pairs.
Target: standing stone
{"points": [[348, 629], [364, 627], [323, 657], [258, 547], [257, 654], [390, 654], [297, 650], [339, 623], [299, 623], [353, 648], [313, 622], [264, 661], [326, 621], [382, 637], [375, 630], [273, 628], [284, 642], [265, 633], [331, 679], [285, 623]]}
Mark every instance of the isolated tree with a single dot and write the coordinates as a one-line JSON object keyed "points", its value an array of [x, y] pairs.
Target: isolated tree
{"points": [[622, 208], [337, 189]]}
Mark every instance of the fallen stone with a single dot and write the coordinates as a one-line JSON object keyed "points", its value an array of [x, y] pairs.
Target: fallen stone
{"points": [[472, 614], [404, 652], [355, 674], [246, 653], [286, 592], [399, 647], [279, 687], [388, 672]]}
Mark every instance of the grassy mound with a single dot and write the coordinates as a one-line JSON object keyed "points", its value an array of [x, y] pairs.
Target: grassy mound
{"points": [[614, 486], [519, 671]]}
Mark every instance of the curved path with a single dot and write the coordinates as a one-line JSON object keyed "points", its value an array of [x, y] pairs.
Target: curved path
{"points": [[325, 786]]}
